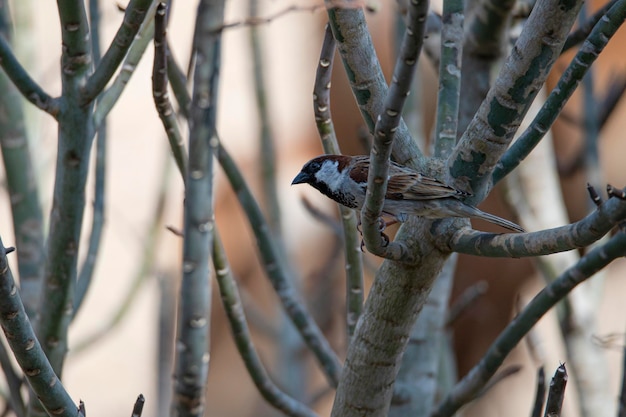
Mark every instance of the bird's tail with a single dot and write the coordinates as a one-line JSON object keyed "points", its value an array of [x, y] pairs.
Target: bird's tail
{"points": [[479, 214]]}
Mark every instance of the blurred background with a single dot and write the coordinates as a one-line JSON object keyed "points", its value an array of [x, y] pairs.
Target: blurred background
{"points": [[115, 343]]}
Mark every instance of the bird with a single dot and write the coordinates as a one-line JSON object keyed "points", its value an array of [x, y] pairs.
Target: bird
{"points": [[343, 179]]}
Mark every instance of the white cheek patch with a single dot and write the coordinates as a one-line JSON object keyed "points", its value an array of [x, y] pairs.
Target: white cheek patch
{"points": [[329, 174]]}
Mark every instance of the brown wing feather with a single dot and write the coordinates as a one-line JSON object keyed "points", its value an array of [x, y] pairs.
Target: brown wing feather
{"points": [[404, 183], [407, 184]]}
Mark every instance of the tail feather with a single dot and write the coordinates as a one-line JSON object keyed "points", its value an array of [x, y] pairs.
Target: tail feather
{"points": [[496, 220]]}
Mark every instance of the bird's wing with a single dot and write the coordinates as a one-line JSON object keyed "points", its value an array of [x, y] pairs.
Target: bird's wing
{"points": [[405, 184]]}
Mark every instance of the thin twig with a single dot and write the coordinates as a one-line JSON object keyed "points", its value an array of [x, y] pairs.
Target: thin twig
{"points": [[294, 308], [622, 392], [256, 20], [384, 133], [160, 93], [464, 301], [109, 97], [326, 130], [24, 83], [86, 271], [583, 30], [146, 265], [237, 321], [267, 146], [540, 394], [135, 13]]}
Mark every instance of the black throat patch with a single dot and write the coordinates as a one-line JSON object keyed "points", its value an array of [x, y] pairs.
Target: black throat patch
{"points": [[341, 198]]}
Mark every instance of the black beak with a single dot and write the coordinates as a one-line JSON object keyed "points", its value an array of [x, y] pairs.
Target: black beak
{"points": [[301, 178]]}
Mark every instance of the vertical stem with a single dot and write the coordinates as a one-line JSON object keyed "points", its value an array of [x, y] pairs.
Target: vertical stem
{"points": [[97, 224], [192, 361], [74, 145], [449, 77]]}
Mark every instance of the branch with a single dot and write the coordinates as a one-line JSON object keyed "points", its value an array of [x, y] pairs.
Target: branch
{"points": [[21, 183], [483, 49], [145, 262], [419, 377], [237, 321], [324, 123], [479, 376], [545, 242], [556, 392], [522, 75], [133, 17], [397, 295], [138, 406], [583, 31], [24, 83], [86, 271], [365, 75], [540, 394], [586, 267], [160, 93], [109, 97], [385, 130], [14, 382], [256, 20], [194, 306], [449, 95], [26, 348], [568, 82], [75, 137], [267, 142], [311, 333]]}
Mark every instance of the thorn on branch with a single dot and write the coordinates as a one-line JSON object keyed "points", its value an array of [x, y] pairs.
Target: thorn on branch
{"points": [[175, 231], [615, 192], [81, 408], [593, 194]]}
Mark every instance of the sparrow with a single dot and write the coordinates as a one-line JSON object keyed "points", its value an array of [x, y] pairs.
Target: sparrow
{"points": [[409, 193]]}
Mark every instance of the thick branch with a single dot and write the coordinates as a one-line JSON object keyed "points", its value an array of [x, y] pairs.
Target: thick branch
{"points": [[26, 347], [72, 165], [397, 295], [560, 239], [479, 376], [557, 99], [365, 75], [385, 131], [523, 74], [192, 357]]}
